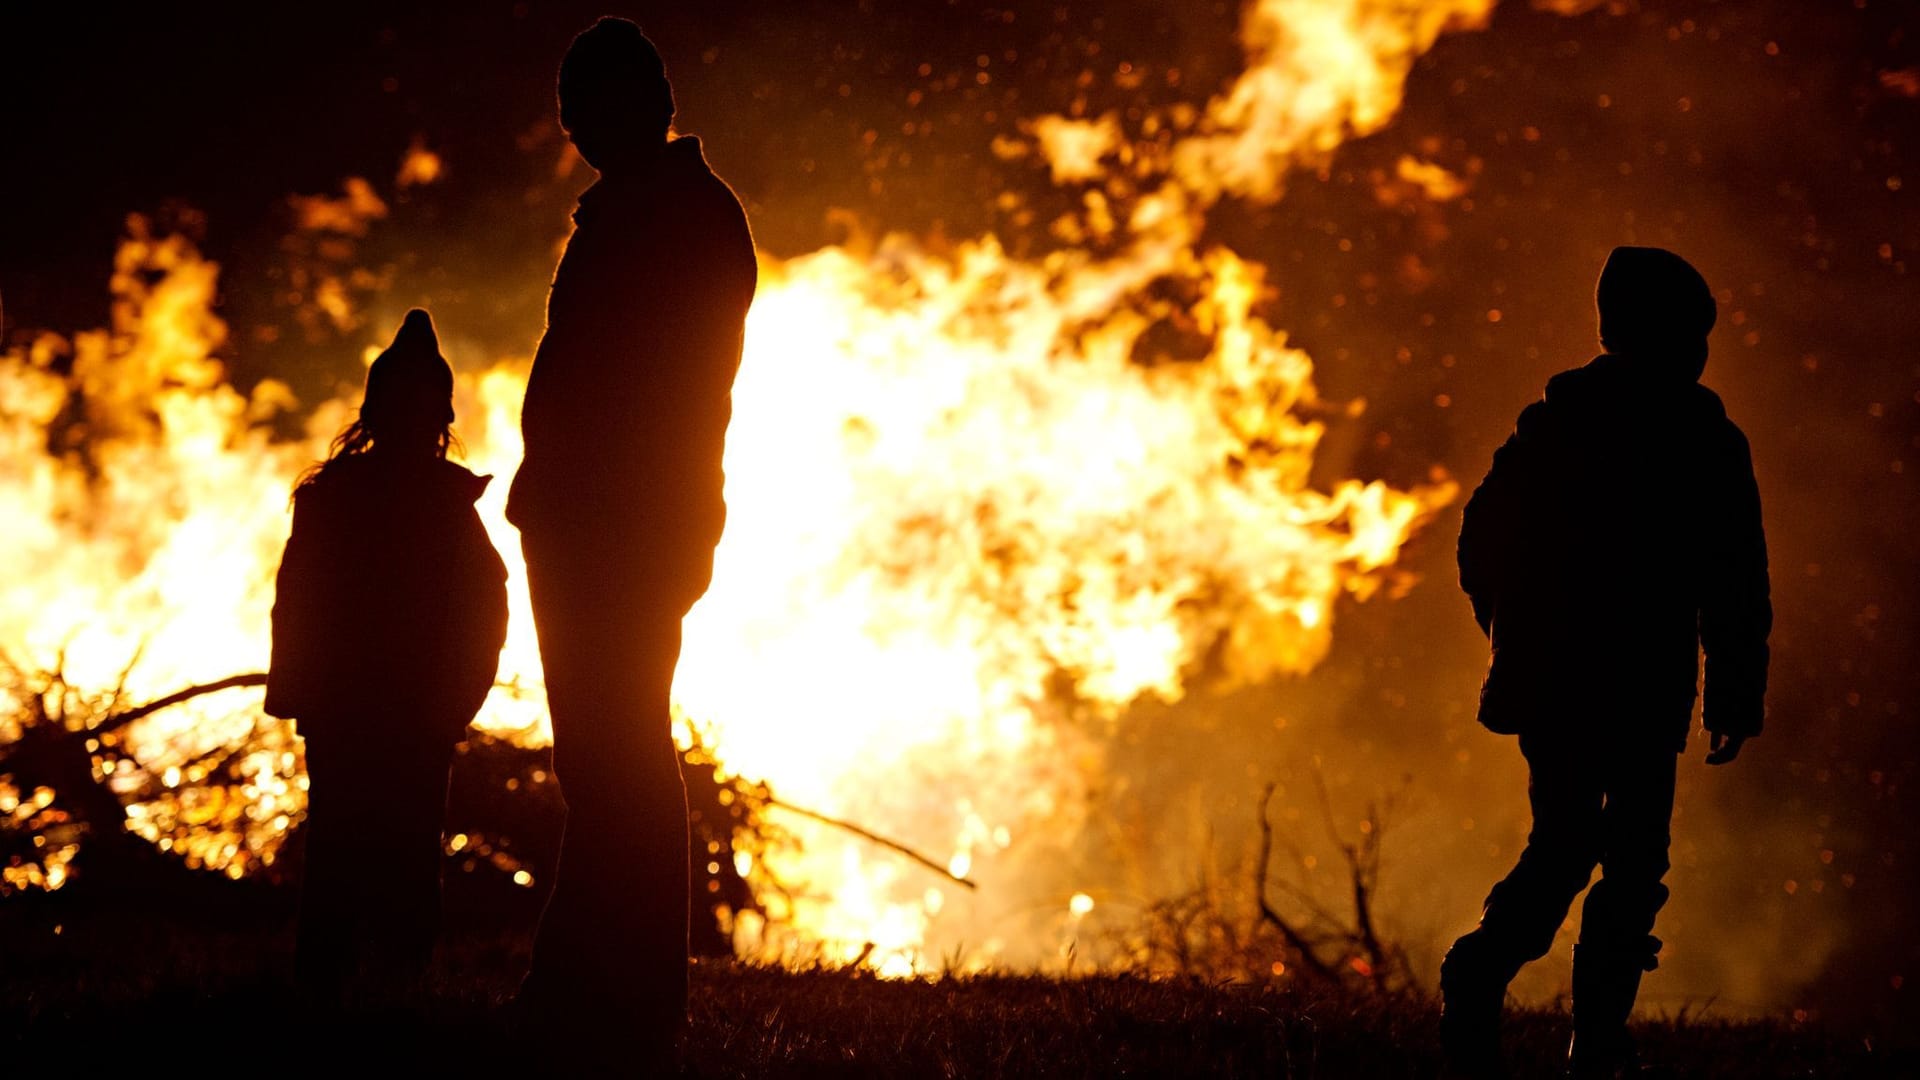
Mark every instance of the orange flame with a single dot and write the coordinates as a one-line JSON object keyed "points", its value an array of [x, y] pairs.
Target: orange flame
{"points": [[968, 493]]}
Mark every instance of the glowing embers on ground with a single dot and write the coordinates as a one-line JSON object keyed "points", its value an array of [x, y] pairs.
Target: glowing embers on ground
{"points": [[147, 500]]}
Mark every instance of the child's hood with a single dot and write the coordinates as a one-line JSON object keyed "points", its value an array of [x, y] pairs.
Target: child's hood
{"points": [[1616, 390], [461, 482]]}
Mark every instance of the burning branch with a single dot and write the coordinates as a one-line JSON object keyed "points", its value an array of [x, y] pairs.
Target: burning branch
{"points": [[58, 754], [259, 678], [115, 720]]}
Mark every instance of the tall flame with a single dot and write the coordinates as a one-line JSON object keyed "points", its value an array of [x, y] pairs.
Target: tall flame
{"points": [[971, 495]]}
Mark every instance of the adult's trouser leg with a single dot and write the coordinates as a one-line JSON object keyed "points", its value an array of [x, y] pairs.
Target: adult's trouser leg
{"points": [[610, 958]]}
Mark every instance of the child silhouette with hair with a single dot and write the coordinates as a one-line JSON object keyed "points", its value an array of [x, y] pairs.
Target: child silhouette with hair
{"points": [[389, 615]]}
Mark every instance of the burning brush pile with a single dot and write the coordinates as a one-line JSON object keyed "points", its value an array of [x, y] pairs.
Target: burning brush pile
{"points": [[979, 505]]}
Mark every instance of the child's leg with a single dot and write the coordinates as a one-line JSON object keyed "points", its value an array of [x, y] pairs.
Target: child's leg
{"points": [[394, 781], [1621, 907], [323, 953], [412, 856], [1526, 908], [371, 892], [1616, 928]]}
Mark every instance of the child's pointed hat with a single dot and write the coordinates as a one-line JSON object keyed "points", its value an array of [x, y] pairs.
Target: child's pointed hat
{"points": [[410, 381]]}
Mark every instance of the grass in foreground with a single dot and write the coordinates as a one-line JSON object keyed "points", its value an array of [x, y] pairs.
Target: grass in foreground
{"points": [[129, 993]]}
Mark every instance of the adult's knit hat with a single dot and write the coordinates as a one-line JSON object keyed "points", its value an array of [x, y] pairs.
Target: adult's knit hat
{"points": [[612, 65]]}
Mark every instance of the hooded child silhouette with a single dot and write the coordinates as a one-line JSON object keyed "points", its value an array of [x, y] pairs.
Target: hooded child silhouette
{"points": [[1615, 539]]}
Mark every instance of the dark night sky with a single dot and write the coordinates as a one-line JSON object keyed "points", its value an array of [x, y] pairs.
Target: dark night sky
{"points": [[1771, 142]]}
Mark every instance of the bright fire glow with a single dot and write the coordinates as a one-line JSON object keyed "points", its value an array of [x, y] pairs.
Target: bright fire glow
{"points": [[967, 499]]}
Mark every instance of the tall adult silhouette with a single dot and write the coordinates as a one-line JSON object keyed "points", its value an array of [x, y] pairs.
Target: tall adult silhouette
{"points": [[619, 506], [1616, 536]]}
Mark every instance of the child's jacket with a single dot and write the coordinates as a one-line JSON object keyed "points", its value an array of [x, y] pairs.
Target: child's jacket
{"points": [[1618, 535], [391, 603]]}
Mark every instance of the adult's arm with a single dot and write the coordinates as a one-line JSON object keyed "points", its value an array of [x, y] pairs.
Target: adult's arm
{"points": [[702, 307]]}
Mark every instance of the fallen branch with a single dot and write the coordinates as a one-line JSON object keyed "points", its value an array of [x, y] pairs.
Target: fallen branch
{"points": [[117, 721], [874, 837]]}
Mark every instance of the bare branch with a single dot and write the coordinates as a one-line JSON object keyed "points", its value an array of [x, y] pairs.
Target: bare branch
{"points": [[873, 837], [119, 694], [120, 720], [1323, 917], [1308, 958], [1364, 933]]}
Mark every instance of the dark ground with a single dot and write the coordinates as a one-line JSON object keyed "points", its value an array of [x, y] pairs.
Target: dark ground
{"points": [[1771, 140], [211, 990]]}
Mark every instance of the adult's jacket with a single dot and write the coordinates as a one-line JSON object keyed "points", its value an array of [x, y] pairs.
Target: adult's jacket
{"points": [[627, 407], [1616, 536]]}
